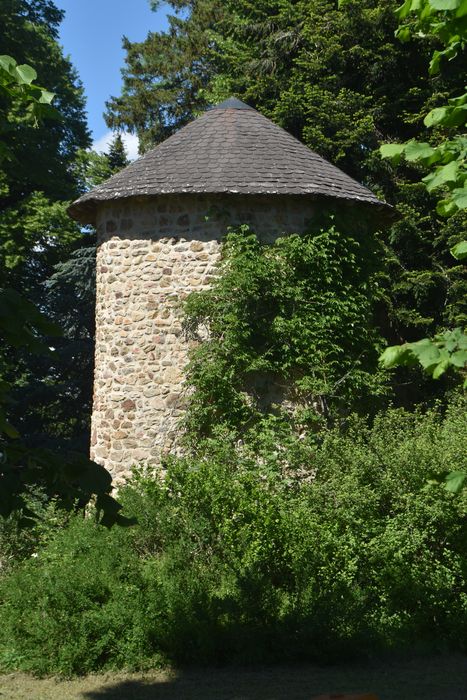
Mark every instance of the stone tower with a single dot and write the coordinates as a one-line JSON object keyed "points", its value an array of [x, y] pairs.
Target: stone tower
{"points": [[159, 225]]}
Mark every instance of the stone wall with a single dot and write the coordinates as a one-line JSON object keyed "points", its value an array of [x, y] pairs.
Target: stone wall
{"points": [[152, 252]]}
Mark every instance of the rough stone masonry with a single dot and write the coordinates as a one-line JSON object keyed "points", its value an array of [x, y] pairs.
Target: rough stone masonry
{"points": [[160, 222], [151, 255]]}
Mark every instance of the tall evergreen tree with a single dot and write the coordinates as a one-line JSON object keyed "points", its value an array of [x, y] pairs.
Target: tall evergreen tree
{"points": [[42, 156], [69, 478], [37, 179], [52, 400], [166, 75], [117, 156]]}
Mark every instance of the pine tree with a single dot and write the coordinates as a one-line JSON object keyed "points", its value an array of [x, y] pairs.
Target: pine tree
{"points": [[117, 155], [167, 74]]}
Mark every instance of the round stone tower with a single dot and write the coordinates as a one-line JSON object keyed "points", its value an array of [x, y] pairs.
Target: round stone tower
{"points": [[160, 223]]}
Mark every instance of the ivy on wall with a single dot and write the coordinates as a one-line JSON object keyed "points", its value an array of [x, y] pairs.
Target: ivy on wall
{"points": [[288, 323]]}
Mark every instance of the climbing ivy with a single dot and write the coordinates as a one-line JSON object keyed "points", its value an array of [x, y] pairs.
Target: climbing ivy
{"points": [[293, 319]]}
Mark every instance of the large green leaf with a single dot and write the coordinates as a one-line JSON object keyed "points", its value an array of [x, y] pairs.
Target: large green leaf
{"points": [[8, 64], [442, 176], [459, 197], [46, 97], [459, 358], [404, 34], [409, 6], [435, 62], [415, 150], [395, 355], [455, 481], [26, 74], [392, 150], [440, 368], [459, 251], [436, 116], [446, 207], [427, 353]]}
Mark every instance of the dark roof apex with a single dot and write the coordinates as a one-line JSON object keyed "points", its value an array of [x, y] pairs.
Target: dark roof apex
{"points": [[232, 103]]}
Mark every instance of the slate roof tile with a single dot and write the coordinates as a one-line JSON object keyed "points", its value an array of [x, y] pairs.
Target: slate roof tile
{"points": [[231, 148]]}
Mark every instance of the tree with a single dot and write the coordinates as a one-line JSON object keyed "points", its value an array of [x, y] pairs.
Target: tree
{"points": [[116, 155], [51, 399], [446, 160], [167, 74], [72, 479], [33, 191], [52, 402], [29, 32], [38, 177]]}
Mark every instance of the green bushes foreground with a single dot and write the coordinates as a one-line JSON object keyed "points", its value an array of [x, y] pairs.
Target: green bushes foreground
{"points": [[245, 558]]}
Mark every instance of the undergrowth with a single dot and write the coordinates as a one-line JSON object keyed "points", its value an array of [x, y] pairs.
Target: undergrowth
{"points": [[323, 549]]}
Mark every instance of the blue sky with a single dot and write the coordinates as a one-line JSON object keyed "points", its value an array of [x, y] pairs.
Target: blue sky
{"points": [[91, 34]]}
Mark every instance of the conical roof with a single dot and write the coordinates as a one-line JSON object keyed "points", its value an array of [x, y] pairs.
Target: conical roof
{"points": [[232, 149]]}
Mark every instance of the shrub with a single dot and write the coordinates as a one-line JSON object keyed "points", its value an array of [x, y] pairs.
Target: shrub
{"points": [[24, 531], [76, 605], [239, 555]]}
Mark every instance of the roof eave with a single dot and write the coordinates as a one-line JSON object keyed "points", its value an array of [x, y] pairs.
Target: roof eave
{"points": [[84, 210]]}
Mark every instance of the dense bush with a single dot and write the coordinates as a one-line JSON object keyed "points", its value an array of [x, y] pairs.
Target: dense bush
{"points": [[310, 551]]}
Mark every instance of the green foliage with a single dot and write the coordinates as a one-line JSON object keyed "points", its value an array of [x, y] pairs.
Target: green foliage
{"points": [[444, 19], [73, 479], [40, 158], [447, 20], [444, 351], [177, 64], [276, 550], [20, 324], [36, 174], [17, 542], [35, 235], [117, 156], [459, 251], [52, 393], [43, 253], [16, 85], [292, 319], [106, 597]]}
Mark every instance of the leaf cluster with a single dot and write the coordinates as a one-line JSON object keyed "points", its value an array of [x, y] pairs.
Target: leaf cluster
{"points": [[34, 233], [447, 21], [435, 355], [294, 318], [16, 83]]}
